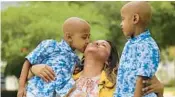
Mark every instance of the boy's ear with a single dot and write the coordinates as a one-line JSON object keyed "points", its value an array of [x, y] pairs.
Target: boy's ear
{"points": [[136, 18], [68, 36]]}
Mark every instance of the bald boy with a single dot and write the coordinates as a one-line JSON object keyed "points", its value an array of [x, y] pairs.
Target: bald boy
{"points": [[140, 56], [60, 56]]}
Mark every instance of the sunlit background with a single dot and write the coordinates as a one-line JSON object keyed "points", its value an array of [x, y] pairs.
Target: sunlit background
{"points": [[25, 24]]}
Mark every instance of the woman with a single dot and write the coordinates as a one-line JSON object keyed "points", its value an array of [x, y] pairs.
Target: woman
{"points": [[98, 77]]}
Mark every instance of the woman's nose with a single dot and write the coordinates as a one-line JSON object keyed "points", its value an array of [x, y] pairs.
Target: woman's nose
{"points": [[97, 43]]}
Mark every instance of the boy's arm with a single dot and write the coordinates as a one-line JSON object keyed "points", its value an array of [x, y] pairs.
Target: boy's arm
{"points": [[23, 79]]}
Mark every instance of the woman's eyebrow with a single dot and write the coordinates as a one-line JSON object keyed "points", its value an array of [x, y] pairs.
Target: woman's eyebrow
{"points": [[105, 43]]}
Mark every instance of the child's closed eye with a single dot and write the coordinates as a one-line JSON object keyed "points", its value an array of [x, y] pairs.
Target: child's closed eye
{"points": [[84, 37]]}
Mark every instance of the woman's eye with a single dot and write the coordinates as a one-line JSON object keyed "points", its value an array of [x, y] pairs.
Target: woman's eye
{"points": [[104, 45]]}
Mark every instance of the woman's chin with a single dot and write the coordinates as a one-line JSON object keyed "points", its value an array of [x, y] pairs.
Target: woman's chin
{"points": [[91, 50]]}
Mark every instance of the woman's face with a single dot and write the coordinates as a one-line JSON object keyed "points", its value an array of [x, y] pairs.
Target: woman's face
{"points": [[100, 49]]}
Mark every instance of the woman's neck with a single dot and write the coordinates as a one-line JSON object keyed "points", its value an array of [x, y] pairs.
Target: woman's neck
{"points": [[92, 67]]}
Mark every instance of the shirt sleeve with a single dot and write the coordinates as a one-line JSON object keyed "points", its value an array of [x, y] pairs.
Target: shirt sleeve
{"points": [[40, 52], [148, 60]]}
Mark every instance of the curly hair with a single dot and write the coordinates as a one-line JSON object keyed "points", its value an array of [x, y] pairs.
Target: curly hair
{"points": [[113, 61]]}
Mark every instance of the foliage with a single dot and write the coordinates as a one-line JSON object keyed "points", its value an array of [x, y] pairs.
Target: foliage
{"points": [[26, 25]]}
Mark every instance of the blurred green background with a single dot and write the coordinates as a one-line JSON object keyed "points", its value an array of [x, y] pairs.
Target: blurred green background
{"points": [[25, 24]]}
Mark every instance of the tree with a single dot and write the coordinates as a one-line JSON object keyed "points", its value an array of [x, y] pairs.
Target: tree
{"points": [[25, 26], [162, 25]]}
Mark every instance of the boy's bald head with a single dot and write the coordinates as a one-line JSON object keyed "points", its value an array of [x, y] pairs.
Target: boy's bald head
{"points": [[142, 8], [76, 33], [74, 23]]}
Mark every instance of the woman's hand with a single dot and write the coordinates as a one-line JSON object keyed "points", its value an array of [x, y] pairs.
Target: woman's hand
{"points": [[154, 86], [43, 71]]}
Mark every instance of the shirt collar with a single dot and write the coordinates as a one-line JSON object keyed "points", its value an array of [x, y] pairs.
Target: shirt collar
{"points": [[69, 49], [140, 37], [66, 46]]}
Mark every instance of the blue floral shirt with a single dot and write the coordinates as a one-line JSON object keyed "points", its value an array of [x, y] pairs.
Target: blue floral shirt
{"points": [[62, 59], [140, 57]]}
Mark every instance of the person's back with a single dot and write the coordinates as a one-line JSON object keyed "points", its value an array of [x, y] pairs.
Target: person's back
{"points": [[140, 56], [61, 57]]}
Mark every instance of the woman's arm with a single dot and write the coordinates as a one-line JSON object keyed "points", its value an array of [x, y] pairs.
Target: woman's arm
{"points": [[43, 71], [155, 86]]}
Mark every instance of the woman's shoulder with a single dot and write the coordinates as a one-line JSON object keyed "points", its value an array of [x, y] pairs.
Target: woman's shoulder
{"points": [[106, 87], [105, 81], [76, 76]]}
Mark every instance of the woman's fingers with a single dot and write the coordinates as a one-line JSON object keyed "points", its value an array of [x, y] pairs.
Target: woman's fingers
{"points": [[148, 89]]}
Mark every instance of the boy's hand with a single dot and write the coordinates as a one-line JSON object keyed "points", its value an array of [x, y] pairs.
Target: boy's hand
{"points": [[21, 92], [43, 71]]}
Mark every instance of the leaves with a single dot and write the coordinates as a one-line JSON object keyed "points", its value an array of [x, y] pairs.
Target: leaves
{"points": [[24, 26]]}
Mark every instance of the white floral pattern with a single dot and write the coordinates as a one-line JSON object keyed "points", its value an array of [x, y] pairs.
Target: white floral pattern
{"points": [[140, 57], [62, 59], [86, 87]]}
